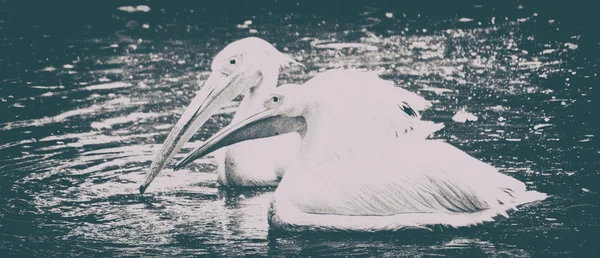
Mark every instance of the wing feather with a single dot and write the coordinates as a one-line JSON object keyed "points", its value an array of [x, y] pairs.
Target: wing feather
{"points": [[363, 101], [428, 177]]}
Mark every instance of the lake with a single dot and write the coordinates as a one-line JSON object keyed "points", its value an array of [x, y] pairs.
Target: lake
{"points": [[89, 91]]}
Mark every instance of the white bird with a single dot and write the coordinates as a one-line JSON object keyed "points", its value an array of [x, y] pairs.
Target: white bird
{"points": [[251, 67], [357, 168], [248, 66]]}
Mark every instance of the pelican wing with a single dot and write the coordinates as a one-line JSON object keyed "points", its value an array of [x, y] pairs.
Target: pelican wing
{"points": [[361, 99], [425, 176], [356, 81]]}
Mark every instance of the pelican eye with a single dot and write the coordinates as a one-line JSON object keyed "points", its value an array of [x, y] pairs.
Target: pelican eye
{"points": [[232, 61], [274, 101]]}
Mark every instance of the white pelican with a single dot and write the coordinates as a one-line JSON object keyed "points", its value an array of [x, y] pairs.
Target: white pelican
{"points": [[357, 171], [248, 66]]}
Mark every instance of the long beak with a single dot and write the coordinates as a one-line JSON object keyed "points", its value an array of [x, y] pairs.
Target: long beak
{"points": [[260, 125], [216, 92]]}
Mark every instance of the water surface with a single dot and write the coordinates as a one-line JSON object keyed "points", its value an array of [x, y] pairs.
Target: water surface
{"points": [[88, 93]]}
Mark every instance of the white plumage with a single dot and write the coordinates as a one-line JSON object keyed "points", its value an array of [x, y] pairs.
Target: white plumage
{"points": [[251, 67], [364, 164], [248, 67]]}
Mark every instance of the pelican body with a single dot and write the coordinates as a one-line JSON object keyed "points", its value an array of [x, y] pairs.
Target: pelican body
{"points": [[364, 164], [249, 67]]}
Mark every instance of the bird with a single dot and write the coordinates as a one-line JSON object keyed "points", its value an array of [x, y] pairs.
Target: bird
{"points": [[249, 67], [363, 163]]}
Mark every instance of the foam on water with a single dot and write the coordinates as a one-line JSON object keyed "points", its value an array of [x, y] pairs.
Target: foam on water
{"points": [[108, 86]]}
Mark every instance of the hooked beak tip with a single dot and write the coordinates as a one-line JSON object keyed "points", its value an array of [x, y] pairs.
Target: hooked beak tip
{"points": [[143, 189], [182, 163]]}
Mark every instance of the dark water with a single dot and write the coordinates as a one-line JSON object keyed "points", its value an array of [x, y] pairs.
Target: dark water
{"points": [[88, 93]]}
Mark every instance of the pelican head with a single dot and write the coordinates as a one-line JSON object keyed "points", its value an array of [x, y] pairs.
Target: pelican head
{"points": [[283, 112], [240, 68]]}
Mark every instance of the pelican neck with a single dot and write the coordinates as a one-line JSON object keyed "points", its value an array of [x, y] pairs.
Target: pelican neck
{"points": [[253, 101]]}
